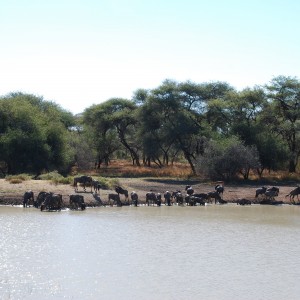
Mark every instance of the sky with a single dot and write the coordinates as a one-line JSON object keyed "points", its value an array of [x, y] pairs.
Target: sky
{"points": [[78, 53]]}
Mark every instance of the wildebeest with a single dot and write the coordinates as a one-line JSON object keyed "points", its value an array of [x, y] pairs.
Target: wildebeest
{"points": [[260, 191], [191, 200], [199, 200], [167, 196], [27, 197], [151, 198], [215, 195], [134, 198], [189, 190], [96, 186], [179, 198], [174, 194], [243, 201], [84, 180], [221, 201], [121, 191], [203, 196], [270, 202], [293, 193], [52, 202], [40, 199], [219, 189], [158, 199], [273, 189], [77, 201], [115, 198], [270, 194]]}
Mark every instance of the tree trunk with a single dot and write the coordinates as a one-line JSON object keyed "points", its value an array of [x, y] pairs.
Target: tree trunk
{"points": [[292, 166], [134, 155], [189, 159], [293, 160]]}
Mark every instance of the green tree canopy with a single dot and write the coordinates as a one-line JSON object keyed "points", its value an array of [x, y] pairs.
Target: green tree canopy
{"points": [[282, 114], [33, 134]]}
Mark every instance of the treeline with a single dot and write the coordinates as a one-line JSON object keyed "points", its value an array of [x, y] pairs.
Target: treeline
{"points": [[219, 131]]}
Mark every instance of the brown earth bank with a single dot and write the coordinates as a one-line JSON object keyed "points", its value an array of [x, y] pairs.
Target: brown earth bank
{"points": [[12, 194]]}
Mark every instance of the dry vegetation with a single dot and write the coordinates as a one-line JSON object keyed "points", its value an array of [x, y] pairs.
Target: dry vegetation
{"points": [[142, 180]]}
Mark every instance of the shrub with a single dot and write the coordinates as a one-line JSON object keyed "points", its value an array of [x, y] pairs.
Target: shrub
{"points": [[15, 181], [17, 178], [56, 178], [228, 160], [107, 183]]}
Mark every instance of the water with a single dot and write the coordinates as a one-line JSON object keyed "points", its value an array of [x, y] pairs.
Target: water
{"points": [[211, 252]]}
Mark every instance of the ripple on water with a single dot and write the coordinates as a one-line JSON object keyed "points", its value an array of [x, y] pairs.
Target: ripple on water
{"points": [[212, 252]]}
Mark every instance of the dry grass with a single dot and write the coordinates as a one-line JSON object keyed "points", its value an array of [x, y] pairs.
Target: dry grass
{"points": [[123, 168]]}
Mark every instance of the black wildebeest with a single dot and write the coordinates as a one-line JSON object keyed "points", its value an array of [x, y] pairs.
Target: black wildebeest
{"points": [[40, 199], [84, 180], [191, 200], [27, 197], [174, 195], [199, 200], [243, 201], [270, 194], [167, 196], [77, 201], [52, 202], [215, 195], [273, 189], [179, 198], [203, 196], [151, 198], [219, 189], [189, 190], [134, 198], [96, 186], [121, 191], [158, 199], [115, 198], [260, 191], [293, 193]]}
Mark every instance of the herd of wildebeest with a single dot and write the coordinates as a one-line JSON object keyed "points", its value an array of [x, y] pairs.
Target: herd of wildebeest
{"points": [[48, 201]]}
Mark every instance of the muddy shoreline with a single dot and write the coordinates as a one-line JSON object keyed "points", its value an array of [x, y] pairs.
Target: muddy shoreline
{"points": [[12, 194]]}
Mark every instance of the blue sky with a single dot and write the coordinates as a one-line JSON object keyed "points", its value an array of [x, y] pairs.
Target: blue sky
{"points": [[83, 52]]}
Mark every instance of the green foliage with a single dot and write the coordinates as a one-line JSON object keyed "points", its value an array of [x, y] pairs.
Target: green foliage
{"points": [[226, 132], [54, 175], [284, 99], [56, 178], [226, 159], [32, 134], [111, 125], [107, 183]]}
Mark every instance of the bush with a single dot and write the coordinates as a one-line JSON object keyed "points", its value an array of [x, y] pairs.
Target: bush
{"points": [[107, 183], [15, 181], [227, 160], [56, 178], [17, 178]]}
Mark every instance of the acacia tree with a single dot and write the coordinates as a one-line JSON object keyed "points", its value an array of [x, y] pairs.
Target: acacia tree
{"points": [[154, 133], [170, 123], [282, 114], [111, 125]]}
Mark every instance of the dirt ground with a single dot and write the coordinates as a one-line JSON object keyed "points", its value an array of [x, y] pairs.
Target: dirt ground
{"points": [[12, 194]]}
